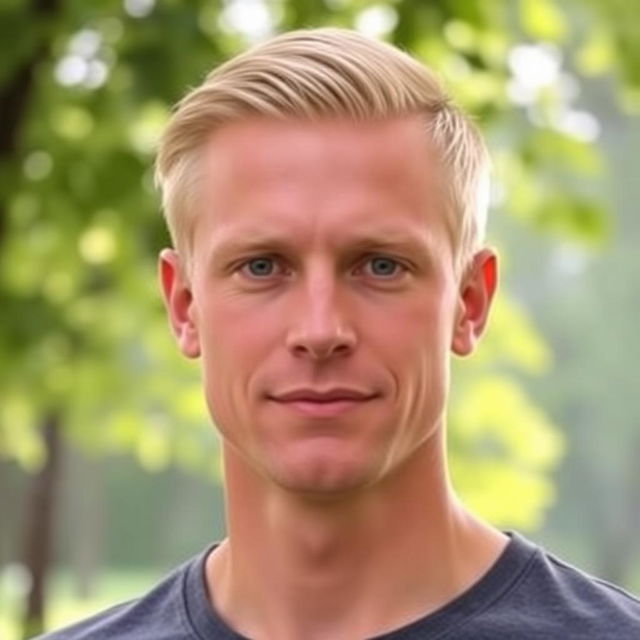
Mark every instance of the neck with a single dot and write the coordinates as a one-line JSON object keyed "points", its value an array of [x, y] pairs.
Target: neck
{"points": [[348, 566]]}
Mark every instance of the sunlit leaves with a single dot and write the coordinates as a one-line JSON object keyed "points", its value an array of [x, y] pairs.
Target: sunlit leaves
{"points": [[502, 449], [145, 130], [543, 19], [19, 435], [512, 341], [500, 443], [597, 53], [72, 123]]}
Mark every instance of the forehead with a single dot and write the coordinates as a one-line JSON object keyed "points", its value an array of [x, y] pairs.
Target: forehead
{"points": [[393, 151], [308, 177]]}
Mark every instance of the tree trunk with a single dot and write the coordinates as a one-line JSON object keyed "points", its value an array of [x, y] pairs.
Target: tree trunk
{"points": [[38, 536], [18, 90]]}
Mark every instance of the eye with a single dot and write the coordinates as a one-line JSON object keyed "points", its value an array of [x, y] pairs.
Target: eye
{"points": [[259, 267], [385, 267]]}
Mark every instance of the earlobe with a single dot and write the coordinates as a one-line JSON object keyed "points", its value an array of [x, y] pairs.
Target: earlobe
{"points": [[477, 290], [179, 302]]}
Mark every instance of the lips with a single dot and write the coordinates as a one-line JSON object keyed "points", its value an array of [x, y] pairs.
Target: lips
{"points": [[323, 404], [330, 395]]}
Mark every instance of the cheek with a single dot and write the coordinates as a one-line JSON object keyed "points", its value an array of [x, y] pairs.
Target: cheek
{"points": [[413, 332], [416, 349], [236, 341], [232, 330]]}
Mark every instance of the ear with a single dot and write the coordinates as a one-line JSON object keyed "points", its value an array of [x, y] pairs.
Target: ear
{"points": [[477, 289], [179, 302]]}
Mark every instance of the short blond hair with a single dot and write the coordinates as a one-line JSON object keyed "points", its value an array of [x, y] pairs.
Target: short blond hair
{"points": [[321, 73]]}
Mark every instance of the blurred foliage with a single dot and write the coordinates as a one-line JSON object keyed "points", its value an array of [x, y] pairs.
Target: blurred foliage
{"points": [[500, 443], [82, 331]]}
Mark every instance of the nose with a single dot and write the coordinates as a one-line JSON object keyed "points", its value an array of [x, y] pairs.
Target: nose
{"points": [[320, 329]]}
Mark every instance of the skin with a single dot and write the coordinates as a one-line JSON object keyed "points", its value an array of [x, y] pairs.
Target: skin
{"points": [[343, 526]]}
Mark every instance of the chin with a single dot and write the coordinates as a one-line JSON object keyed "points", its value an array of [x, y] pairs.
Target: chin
{"points": [[324, 476], [328, 491]]}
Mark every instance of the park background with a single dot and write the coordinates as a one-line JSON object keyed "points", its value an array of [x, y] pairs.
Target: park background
{"points": [[109, 468]]}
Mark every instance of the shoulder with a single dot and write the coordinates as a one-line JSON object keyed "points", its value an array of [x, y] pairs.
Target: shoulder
{"points": [[101, 625], [157, 615], [559, 600], [580, 588]]}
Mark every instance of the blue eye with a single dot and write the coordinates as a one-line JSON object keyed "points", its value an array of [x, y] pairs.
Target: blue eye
{"points": [[260, 267], [383, 266]]}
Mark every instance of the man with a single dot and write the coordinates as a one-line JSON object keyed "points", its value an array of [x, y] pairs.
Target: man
{"points": [[327, 206]]}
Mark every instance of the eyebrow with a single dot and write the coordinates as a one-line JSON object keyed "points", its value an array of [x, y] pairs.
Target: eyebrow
{"points": [[268, 241]]}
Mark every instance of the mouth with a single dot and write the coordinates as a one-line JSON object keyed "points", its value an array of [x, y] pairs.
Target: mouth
{"points": [[317, 408]]}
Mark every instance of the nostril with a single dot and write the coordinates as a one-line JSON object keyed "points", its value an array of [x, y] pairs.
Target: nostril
{"points": [[322, 351]]}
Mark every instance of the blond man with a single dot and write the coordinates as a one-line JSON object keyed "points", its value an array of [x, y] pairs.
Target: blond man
{"points": [[318, 157]]}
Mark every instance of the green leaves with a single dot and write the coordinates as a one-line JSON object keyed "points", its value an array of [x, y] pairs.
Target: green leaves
{"points": [[502, 448], [543, 20]]}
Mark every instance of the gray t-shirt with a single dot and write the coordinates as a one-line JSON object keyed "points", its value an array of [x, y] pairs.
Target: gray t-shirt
{"points": [[527, 594]]}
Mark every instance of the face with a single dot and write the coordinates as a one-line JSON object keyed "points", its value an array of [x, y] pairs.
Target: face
{"points": [[322, 298]]}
